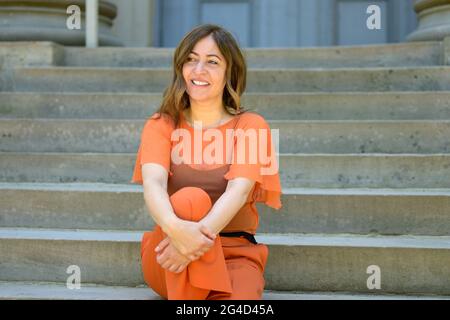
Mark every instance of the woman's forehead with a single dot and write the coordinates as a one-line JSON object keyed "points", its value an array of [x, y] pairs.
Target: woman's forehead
{"points": [[206, 46]]}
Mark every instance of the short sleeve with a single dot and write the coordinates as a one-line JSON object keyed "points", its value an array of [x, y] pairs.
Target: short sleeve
{"points": [[155, 145], [260, 162]]}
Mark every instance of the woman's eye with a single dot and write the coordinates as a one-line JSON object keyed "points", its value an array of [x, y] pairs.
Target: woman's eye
{"points": [[189, 59]]}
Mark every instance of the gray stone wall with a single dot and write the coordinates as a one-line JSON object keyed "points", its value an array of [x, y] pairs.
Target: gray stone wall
{"points": [[35, 20]]}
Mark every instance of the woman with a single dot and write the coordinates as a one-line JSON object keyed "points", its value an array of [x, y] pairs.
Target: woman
{"points": [[203, 244]]}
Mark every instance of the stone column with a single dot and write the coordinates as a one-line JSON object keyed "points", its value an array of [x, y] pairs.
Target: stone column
{"points": [[434, 20], [34, 20], [134, 22]]}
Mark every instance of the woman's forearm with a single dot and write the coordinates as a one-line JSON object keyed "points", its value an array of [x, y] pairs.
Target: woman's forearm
{"points": [[188, 237], [224, 209], [159, 206]]}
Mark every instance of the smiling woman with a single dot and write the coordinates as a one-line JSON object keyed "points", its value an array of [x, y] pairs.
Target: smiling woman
{"points": [[204, 75], [194, 72], [203, 244], [208, 54]]}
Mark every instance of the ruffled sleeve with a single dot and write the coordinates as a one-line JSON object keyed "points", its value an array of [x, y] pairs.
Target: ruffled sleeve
{"points": [[261, 159], [155, 145]]}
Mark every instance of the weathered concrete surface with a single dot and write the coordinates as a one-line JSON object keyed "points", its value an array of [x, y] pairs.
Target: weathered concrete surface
{"points": [[296, 262], [347, 259], [305, 210], [376, 55], [397, 54], [296, 170], [365, 170], [295, 136], [19, 290], [273, 106], [58, 291], [74, 79], [33, 53], [446, 49]]}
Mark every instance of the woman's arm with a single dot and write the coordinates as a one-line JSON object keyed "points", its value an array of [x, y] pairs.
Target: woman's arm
{"points": [[224, 209], [189, 238], [156, 198], [228, 205]]}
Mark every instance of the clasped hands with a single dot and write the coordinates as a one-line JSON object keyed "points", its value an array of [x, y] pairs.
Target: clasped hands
{"points": [[187, 242]]}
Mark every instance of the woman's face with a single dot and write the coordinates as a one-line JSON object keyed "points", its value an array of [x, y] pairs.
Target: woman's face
{"points": [[205, 64]]}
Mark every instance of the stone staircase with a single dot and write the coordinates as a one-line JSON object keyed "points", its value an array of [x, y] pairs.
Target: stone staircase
{"points": [[364, 160]]}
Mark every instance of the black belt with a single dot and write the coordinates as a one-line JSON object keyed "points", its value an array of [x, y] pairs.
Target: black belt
{"points": [[246, 235]]}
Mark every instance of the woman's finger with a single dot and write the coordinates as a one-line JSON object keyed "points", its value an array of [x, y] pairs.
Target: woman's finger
{"points": [[192, 257], [162, 245], [173, 268], [198, 256], [162, 258], [180, 269], [183, 266], [166, 265]]}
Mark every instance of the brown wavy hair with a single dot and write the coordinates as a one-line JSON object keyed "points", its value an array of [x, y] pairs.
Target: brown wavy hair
{"points": [[175, 97]]}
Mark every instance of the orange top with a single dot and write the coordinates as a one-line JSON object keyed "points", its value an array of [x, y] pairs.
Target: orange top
{"points": [[160, 144]]}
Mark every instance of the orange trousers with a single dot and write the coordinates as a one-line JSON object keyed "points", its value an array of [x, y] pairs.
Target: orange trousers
{"points": [[233, 268]]}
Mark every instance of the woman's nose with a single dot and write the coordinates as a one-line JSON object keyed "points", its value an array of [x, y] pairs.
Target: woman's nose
{"points": [[199, 67]]}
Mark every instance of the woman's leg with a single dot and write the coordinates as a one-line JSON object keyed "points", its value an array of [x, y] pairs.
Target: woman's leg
{"points": [[189, 203], [246, 264]]}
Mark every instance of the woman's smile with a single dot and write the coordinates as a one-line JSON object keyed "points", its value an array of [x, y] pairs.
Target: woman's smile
{"points": [[204, 73], [199, 84]]}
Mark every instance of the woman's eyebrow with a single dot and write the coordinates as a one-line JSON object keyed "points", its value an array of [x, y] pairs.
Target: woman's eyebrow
{"points": [[209, 55]]}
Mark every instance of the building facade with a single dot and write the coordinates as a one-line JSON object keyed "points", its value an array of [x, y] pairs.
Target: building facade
{"points": [[255, 23], [266, 23]]}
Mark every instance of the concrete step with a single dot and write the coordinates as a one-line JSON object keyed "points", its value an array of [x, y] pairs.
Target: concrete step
{"points": [[305, 210], [18, 290], [75, 79], [295, 136], [419, 105], [399, 54], [297, 262], [296, 170], [394, 54]]}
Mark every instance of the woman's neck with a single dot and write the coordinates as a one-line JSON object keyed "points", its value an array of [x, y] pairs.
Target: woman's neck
{"points": [[207, 115]]}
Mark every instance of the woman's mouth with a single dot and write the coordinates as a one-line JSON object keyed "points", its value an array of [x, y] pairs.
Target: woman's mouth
{"points": [[198, 83]]}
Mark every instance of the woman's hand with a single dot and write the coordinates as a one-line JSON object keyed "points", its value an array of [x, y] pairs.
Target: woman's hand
{"points": [[170, 258], [191, 239]]}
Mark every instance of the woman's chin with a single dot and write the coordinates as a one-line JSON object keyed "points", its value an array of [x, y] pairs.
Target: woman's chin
{"points": [[200, 97]]}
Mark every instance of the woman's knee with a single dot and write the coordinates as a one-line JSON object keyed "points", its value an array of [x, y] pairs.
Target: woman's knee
{"points": [[247, 280], [191, 203]]}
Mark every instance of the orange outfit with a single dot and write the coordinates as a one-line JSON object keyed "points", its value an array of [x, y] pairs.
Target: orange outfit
{"points": [[234, 267]]}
